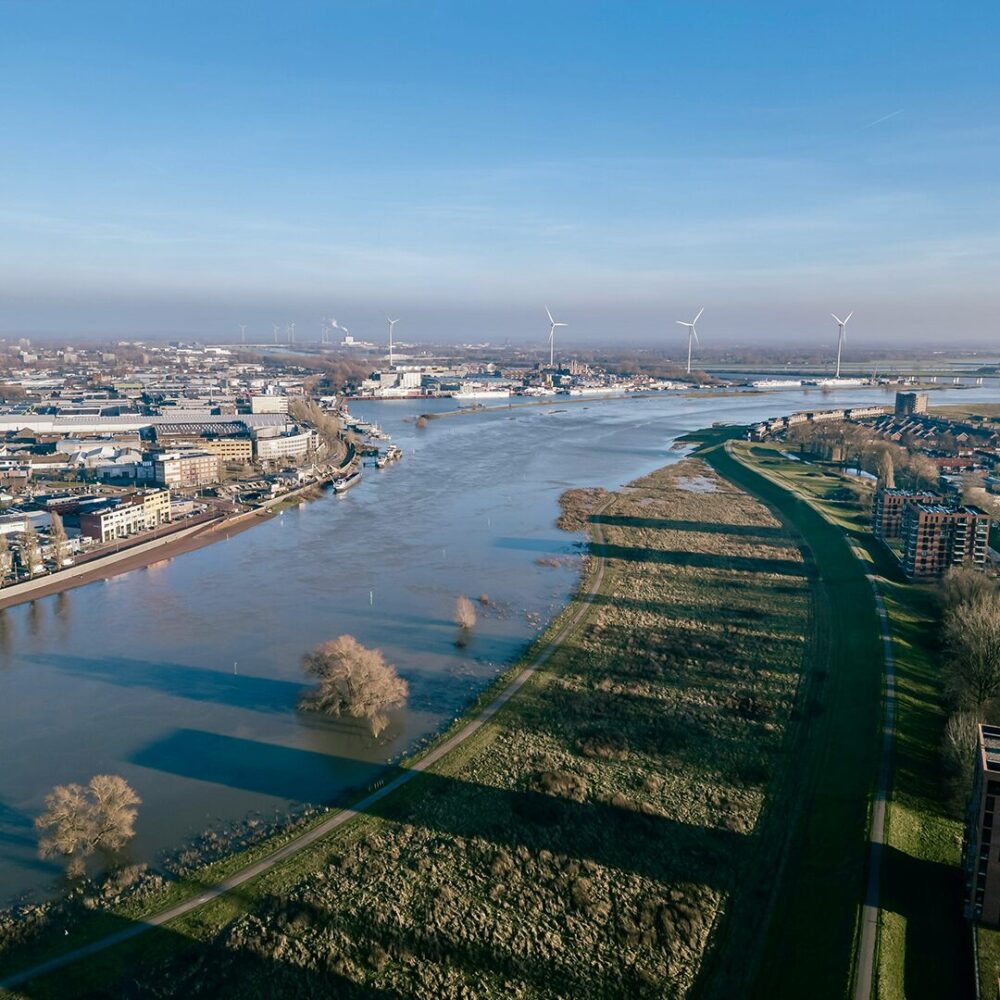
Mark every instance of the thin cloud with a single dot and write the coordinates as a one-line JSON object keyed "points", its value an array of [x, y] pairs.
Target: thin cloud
{"points": [[884, 118]]}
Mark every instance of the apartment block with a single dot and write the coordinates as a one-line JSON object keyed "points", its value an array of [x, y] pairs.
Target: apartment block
{"points": [[127, 515], [935, 538], [981, 856], [887, 521], [908, 403], [186, 468]]}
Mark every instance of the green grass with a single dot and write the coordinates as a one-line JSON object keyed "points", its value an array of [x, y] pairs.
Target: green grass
{"points": [[924, 948], [810, 947]]}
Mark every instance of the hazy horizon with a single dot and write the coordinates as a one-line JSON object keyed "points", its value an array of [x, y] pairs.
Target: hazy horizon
{"points": [[176, 171]]}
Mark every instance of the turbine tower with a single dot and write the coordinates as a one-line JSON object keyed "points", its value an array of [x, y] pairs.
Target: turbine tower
{"points": [[243, 332], [392, 324], [841, 336], [275, 325], [692, 334], [552, 337]]}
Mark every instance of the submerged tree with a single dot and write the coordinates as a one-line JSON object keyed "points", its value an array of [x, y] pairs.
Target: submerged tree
{"points": [[79, 820], [353, 680]]}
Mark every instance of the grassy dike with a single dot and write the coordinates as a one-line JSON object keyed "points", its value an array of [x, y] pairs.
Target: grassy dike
{"points": [[924, 946], [595, 838], [812, 938]]}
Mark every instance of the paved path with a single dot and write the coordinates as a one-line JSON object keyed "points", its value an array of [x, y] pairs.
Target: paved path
{"points": [[865, 971], [310, 837]]}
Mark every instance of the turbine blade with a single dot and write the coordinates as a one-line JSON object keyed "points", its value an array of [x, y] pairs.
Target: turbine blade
{"points": [[837, 318], [849, 315], [698, 317], [547, 313], [681, 322]]}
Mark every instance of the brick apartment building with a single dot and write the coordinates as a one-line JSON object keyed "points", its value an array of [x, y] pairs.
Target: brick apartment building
{"points": [[889, 507], [981, 857], [935, 538]]}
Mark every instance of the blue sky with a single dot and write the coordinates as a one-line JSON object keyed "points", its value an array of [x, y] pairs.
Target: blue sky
{"points": [[183, 167]]}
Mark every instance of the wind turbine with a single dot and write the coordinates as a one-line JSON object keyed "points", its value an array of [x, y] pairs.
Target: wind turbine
{"points": [[552, 336], [692, 333], [275, 325], [243, 332], [841, 336], [392, 324]]}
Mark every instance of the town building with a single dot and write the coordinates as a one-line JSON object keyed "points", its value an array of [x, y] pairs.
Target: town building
{"points": [[889, 506], [981, 857], [127, 515], [234, 449], [269, 404], [276, 447], [935, 538], [186, 468], [908, 403]]}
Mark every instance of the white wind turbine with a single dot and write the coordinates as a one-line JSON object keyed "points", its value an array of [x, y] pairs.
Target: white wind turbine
{"points": [[552, 336], [692, 333], [243, 332], [392, 324], [841, 336]]}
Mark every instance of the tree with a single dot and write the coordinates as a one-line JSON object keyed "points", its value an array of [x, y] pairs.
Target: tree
{"points": [[354, 681], [60, 544], [28, 551], [961, 740], [6, 559], [962, 585], [79, 820], [465, 613], [972, 630], [886, 470]]}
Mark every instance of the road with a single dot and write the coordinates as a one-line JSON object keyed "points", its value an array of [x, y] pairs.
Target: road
{"points": [[310, 837]]}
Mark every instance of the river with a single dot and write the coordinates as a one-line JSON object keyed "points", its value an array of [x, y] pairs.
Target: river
{"points": [[184, 676]]}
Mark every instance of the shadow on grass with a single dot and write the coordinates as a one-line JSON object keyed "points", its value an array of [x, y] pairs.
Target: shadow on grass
{"points": [[648, 845], [700, 560], [938, 946], [160, 962], [706, 527]]}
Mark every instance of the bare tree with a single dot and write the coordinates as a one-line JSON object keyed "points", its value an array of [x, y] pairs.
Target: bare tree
{"points": [[886, 469], [28, 551], [60, 544], [972, 630], [354, 681], [962, 585], [465, 613], [6, 559], [79, 820], [961, 736]]}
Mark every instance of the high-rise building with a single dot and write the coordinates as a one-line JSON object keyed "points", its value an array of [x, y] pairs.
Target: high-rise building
{"points": [[981, 857], [935, 538], [910, 402], [889, 506]]}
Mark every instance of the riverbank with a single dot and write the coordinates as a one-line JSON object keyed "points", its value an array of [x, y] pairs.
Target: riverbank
{"points": [[596, 821], [146, 553]]}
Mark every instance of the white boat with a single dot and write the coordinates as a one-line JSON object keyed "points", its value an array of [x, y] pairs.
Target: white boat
{"points": [[344, 483], [777, 383]]}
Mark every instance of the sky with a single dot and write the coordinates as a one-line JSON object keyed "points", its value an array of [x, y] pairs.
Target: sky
{"points": [[180, 168]]}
